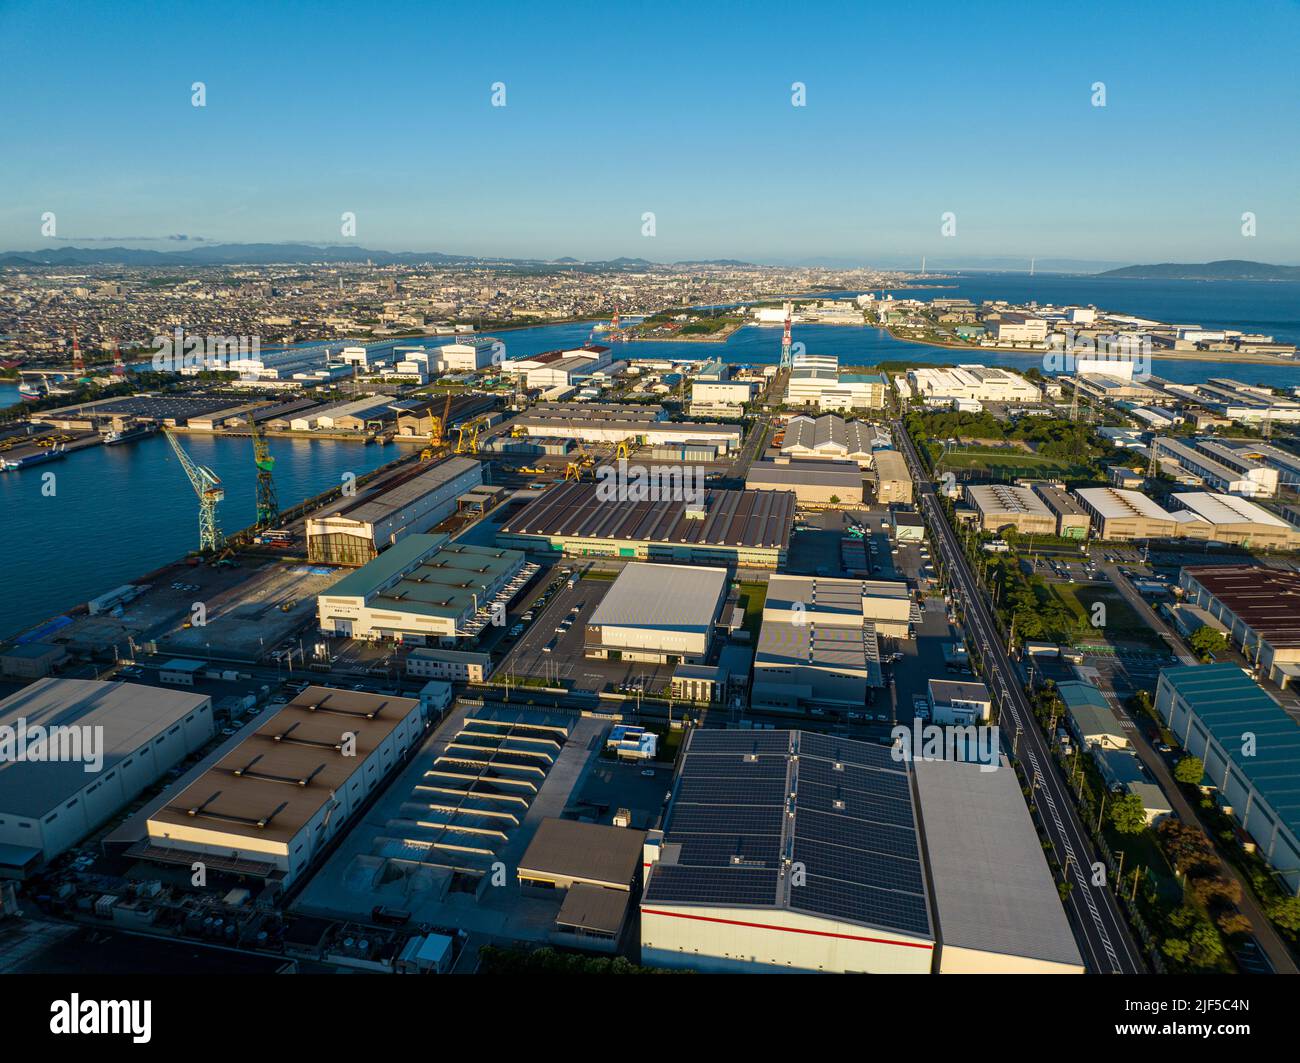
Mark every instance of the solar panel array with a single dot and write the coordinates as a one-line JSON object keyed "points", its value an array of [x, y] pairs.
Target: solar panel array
{"points": [[789, 819]]}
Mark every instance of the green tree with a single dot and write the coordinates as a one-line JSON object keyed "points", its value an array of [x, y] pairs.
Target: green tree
{"points": [[1189, 770], [1128, 815], [1207, 643], [1285, 912]]}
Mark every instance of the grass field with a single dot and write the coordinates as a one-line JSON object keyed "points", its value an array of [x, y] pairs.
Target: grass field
{"points": [[1122, 623], [1009, 463], [755, 595]]}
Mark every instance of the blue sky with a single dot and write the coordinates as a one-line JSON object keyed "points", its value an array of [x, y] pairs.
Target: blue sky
{"points": [[615, 109]]}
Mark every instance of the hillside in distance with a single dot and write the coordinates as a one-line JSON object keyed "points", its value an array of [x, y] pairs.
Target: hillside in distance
{"points": [[1228, 269]]}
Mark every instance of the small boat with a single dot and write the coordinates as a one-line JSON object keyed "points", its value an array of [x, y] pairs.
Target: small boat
{"points": [[27, 460]]}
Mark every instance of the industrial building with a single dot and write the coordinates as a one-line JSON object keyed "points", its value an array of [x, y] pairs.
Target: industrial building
{"points": [[425, 420], [1071, 519], [829, 437], [748, 528], [818, 647], [660, 613], [1003, 506], [1090, 718], [595, 867], [32, 660], [816, 380], [466, 666], [1210, 709], [1232, 519], [353, 530], [271, 804], [995, 902], [467, 355], [958, 702], [1259, 607], [890, 477], [973, 383], [1220, 466], [74, 752], [816, 484], [617, 422], [353, 415], [721, 398], [424, 589], [800, 852], [1122, 515]]}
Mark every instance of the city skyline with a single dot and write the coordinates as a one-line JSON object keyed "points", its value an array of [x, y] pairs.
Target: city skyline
{"points": [[981, 126]]}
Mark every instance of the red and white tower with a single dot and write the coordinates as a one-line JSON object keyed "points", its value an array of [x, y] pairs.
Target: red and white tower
{"points": [[78, 362], [785, 337]]}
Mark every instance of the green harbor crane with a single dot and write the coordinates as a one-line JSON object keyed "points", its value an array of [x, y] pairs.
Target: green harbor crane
{"points": [[268, 508], [207, 485]]}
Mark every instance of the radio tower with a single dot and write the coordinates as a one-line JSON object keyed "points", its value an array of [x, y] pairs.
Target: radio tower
{"points": [[119, 367], [78, 362], [785, 337]]}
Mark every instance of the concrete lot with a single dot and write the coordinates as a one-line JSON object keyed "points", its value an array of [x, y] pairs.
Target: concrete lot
{"points": [[247, 621], [348, 885]]}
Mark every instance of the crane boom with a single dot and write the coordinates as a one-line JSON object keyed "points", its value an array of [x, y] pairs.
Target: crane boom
{"points": [[268, 506], [207, 486]]}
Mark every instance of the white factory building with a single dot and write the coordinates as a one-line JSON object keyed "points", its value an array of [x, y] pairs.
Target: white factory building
{"points": [[1220, 466], [271, 804], [973, 383], [788, 851], [467, 355], [660, 613], [424, 589], [111, 739]]}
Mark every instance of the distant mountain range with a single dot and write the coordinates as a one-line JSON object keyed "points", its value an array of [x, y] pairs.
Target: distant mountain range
{"points": [[1228, 269], [305, 254]]}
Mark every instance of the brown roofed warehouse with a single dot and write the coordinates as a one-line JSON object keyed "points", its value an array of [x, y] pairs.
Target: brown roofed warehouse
{"points": [[1260, 607], [272, 802]]}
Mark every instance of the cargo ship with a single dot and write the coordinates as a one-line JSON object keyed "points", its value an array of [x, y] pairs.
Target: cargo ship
{"points": [[27, 460], [126, 435]]}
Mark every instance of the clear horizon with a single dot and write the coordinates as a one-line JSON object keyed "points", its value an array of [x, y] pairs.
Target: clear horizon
{"points": [[983, 116]]}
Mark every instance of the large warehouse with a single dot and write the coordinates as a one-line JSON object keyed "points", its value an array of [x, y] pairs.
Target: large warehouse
{"points": [[794, 851], [816, 484], [660, 613], [1230, 519], [424, 589], [274, 801], [616, 422], [890, 477], [818, 647], [829, 436], [1002, 506], [1122, 515], [1250, 747], [748, 528], [1260, 607], [109, 742], [353, 530]]}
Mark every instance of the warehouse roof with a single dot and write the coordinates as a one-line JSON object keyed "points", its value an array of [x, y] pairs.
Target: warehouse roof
{"points": [[594, 852], [1006, 498], [596, 908], [125, 716], [1229, 704], [746, 805], [842, 474], [730, 518], [829, 434], [428, 575], [992, 887], [1220, 509], [272, 783], [393, 495], [1115, 503], [889, 465], [672, 597], [1266, 600]]}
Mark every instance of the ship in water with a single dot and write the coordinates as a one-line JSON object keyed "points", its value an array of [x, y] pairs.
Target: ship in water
{"points": [[39, 457], [127, 435]]}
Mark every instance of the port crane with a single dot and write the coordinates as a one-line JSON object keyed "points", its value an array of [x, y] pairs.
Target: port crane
{"points": [[467, 435], [207, 485], [268, 506]]}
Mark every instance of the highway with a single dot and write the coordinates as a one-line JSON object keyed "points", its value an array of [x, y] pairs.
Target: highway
{"points": [[1099, 925]]}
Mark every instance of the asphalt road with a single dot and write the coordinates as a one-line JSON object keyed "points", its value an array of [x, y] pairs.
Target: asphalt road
{"points": [[1103, 937]]}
